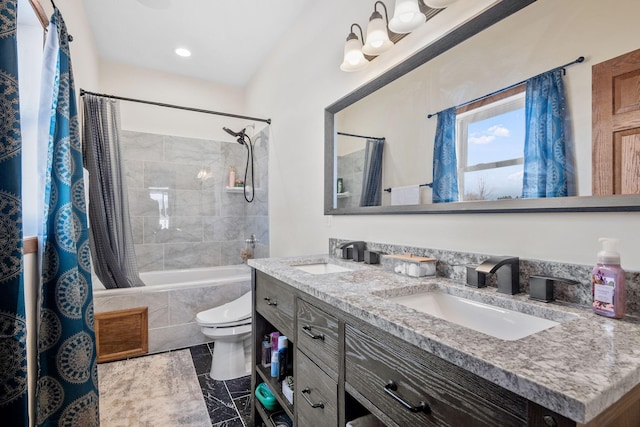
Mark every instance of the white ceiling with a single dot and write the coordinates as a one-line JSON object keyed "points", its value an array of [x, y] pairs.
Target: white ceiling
{"points": [[229, 39]]}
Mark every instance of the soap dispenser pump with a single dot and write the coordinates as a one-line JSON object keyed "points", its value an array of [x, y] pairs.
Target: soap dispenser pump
{"points": [[607, 280]]}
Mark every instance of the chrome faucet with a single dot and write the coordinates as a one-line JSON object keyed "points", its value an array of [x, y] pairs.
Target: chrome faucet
{"points": [[252, 240], [506, 268], [353, 249]]}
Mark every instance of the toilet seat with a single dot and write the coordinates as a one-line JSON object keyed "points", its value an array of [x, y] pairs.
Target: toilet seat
{"points": [[231, 314], [225, 332]]}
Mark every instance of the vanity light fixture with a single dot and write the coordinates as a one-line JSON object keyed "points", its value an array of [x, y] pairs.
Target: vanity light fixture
{"points": [[382, 35], [377, 41], [354, 59], [406, 17], [183, 52]]}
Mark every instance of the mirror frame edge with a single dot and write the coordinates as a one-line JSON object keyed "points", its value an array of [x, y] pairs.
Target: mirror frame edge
{"points": [[496, 13]]}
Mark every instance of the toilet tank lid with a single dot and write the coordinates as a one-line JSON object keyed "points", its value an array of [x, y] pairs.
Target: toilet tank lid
{"points": [[238, 309]]}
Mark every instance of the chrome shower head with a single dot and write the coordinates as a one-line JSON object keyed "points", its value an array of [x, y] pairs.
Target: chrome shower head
{"points": [[240, 135]]}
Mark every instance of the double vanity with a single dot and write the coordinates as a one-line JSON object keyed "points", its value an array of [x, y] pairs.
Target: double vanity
{"points": [[433, 351]]}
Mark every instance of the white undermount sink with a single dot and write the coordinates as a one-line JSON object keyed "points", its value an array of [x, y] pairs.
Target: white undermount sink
{"points": [[322, 268], [498, 322]]}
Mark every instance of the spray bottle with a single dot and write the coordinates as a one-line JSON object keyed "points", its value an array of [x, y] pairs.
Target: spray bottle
{"points": [[608, 282]]}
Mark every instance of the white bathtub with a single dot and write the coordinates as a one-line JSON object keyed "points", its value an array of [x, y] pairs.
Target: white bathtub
{"points": [[193, 277], [173, 298]]}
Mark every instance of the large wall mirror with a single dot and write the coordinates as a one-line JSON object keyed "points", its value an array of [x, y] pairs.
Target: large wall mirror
{"points": [[505, 43]]}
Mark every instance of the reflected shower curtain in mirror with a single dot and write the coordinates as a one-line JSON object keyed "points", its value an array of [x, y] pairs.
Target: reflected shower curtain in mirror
{"points": [[372, 173], [13, 327], [547, 168], [112, 249], [445, 166], [67, 391]]}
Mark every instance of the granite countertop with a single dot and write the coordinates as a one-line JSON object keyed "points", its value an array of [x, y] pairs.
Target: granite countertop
{"points": [[577, 368]]}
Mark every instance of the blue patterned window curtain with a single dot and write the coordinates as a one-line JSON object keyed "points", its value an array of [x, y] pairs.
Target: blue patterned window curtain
{"points": [[547, 169], [445, 165], [67, 393], [13, 327], [372, 173]]}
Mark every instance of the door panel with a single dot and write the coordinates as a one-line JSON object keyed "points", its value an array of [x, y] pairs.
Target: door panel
{"points": [[616, 125]]}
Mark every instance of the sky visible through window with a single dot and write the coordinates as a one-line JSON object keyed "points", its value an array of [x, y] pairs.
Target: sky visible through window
{"points": [[495, 139]]}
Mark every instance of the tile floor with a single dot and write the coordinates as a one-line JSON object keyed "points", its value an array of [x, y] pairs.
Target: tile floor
{"points": [[228, 402]]}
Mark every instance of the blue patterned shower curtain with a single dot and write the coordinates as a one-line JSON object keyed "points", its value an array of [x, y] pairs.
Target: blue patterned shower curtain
{"points": [[67, 393], [13, 328], [445, 165], [547, 171]]}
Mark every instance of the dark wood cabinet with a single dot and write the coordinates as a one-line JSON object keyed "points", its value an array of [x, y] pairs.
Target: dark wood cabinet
{"points": [[316, 394], [344, 367], [318, 336], [398, 381]]}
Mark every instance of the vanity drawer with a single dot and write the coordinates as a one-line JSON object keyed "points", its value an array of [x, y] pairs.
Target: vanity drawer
{"points": [[318, 337], [316, 397], [275, 302], [371, 366]]}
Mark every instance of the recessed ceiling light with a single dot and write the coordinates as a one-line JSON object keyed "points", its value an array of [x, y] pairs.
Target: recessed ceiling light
{"points": [[183, 52]]}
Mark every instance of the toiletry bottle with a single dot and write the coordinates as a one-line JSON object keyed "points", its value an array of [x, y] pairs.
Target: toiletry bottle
{"points": [[266, 352], [274, 340], [607, 280], [275, 368], [232, 177], [282, 357]]}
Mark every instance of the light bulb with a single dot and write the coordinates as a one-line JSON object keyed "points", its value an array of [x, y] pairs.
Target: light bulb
{"points": [[377, 41], [183, 52], [406, 17]]}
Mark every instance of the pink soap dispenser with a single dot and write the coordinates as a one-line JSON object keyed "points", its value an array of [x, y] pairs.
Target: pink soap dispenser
{"points": [[607, 279]]}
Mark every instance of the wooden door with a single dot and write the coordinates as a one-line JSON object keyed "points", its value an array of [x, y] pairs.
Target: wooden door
{"points": [[616, 125]]}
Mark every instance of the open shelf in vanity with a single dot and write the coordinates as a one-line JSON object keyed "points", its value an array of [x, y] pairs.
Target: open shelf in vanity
{"points": [[273, 312], [315, 345]]}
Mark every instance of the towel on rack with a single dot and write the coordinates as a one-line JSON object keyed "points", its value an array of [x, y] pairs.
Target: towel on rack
{"points": [[407, 195]]}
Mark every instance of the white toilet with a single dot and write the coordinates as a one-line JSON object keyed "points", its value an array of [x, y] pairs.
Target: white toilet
{"points": [[229, 326]]}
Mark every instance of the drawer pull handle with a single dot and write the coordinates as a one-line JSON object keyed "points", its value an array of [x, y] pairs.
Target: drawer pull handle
{"points": [[391, 386], [313, 405], [269, 302], [307, 330]]}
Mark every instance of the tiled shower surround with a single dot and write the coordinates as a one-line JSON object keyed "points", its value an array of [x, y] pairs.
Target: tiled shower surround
{"points": [[182, 215], [350, 169]]}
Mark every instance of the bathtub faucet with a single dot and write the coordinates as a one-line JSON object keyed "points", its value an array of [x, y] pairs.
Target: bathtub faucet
{"points": [[252, 240]]}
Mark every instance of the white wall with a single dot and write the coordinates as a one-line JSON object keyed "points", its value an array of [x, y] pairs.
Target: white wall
{"points": [[302, 78], [146, 84]]}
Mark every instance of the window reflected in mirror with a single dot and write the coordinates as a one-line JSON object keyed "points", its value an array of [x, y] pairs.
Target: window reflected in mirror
{"points": [[490, 141]]}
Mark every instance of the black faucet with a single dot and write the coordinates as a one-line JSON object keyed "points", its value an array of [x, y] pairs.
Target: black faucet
{"points": [[508, 272], [357, 253]]}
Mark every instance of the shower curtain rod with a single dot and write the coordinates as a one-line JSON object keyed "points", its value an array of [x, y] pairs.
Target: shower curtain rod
{"points": [[504, 89], [179, 107], [359, 136], [430, 185]]}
